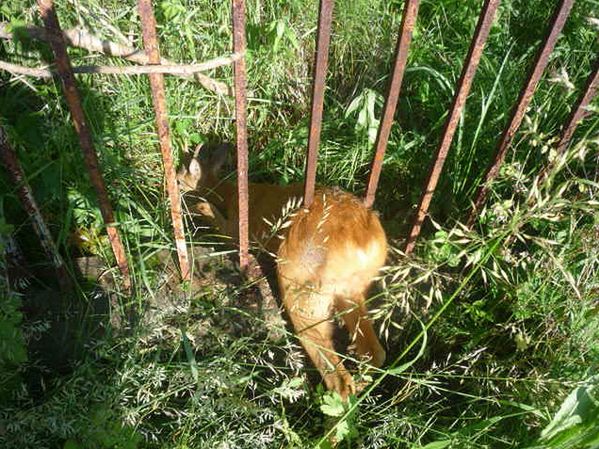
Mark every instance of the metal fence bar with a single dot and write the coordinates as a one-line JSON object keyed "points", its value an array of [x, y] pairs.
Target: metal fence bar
{"points": [[404, 39], [15, 172], [242, 138], [481, 33], [557, 23], [321, 60], [148, 25], [579, 111], [71, 93]]}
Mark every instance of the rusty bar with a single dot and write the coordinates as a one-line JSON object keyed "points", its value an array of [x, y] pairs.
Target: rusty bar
{"points": [[71, 93], [481, 33], [557, 23], [579, 111], [242, 138], [15, 172], [148, 25], [404, 39], [321, 61]]}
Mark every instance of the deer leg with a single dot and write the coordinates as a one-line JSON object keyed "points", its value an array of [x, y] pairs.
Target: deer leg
{"points": [[361, 331], [311, 315]]}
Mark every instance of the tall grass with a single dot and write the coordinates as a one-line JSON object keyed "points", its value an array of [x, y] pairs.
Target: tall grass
{"points": [[491, 333]]}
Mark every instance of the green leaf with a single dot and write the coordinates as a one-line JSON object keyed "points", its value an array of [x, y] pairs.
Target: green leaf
{"points": [[439, 444], [353, 106], [332, 405], [190, 356], [343, 430], [290, 34], [578, 407]]}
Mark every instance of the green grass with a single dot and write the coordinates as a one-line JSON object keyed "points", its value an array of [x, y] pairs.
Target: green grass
{"points": [[488, 331]]}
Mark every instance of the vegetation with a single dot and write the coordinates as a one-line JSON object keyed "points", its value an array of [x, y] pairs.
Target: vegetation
{"points": [[492, 333]]}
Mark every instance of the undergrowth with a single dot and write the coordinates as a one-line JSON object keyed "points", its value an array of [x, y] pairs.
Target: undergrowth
{"points": [[491, 333]]}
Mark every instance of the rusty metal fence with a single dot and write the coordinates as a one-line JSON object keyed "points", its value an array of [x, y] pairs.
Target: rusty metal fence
{"points": [[410, 14]]}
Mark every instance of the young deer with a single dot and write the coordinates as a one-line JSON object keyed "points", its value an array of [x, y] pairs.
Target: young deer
{"points": [[327, 256]]}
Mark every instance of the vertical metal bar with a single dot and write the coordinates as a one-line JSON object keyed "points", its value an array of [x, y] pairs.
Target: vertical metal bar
{"points": [[404, 39], [71, 93], [557, 23], [481, 33], [15, 172], [321, 61], [148, 25], [240, 122]]}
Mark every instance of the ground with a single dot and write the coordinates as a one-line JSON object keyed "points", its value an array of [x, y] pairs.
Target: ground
{"points": [[491, 333]]}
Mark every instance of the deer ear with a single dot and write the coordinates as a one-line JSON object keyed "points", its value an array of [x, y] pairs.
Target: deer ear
{"points": [[220, 156], [195, 169]]}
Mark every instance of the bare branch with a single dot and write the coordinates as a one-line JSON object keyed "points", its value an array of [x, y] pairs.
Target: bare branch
{"points": [[81, 38], [181, 70]]}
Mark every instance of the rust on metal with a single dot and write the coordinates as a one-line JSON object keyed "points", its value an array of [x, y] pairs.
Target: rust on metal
{"points": [[404, 39], [321, 60], [557, 23], [481, 33], [579, 111], [15, 172], [148, 25], [71, 93], [240, 122]]}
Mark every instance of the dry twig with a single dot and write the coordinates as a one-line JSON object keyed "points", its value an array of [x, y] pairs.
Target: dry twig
{"points": [[80, 38], [181, 70]]}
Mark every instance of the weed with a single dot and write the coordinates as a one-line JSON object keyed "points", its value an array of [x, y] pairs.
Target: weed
{"points": [[492, 332]]}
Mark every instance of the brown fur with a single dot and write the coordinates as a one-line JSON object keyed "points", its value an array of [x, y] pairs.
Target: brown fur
{"points": [[327, 257]]}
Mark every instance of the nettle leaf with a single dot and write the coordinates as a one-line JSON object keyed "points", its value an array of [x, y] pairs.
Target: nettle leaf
{"points": [[332, 404], [343, 430]]}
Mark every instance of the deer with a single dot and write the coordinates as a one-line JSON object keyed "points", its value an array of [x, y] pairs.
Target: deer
{"points": [[327, 256]]}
